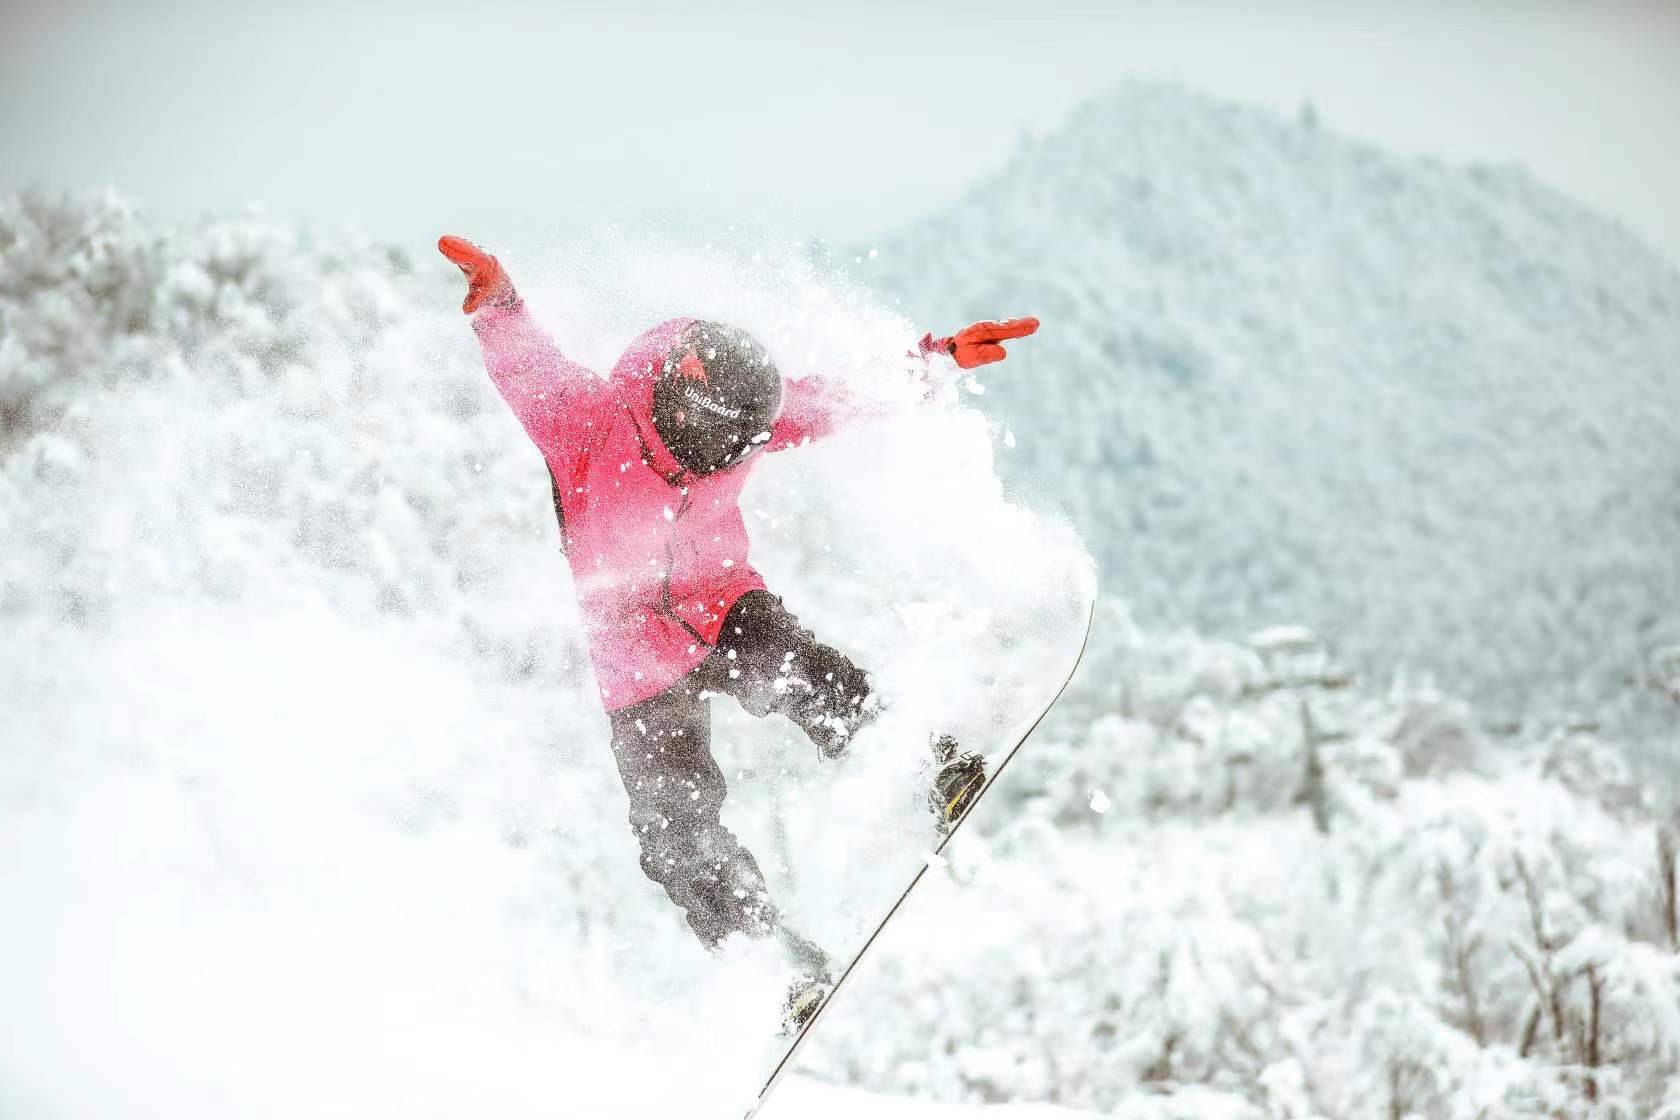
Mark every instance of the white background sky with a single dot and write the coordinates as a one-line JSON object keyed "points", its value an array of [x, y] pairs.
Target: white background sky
{"points": [[501, 120]]}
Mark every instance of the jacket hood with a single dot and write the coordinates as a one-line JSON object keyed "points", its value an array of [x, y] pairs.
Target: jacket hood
{"points": [[633, 379]]}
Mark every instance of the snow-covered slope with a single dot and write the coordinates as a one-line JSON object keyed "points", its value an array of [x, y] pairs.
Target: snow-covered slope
{"points": [[1432, 411], [306, 807]]}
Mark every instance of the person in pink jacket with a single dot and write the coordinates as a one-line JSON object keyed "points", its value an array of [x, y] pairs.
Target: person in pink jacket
{"points": [[647, 466]]}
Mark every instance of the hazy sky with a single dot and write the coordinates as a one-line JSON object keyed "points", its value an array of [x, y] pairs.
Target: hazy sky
{"points": [[498, 120]]}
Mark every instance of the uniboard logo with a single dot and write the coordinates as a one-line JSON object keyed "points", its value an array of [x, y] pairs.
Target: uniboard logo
{"points": [[694, 397]]}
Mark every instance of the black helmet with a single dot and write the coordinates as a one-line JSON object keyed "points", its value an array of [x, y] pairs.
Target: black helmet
{"points": [[715, 397]]}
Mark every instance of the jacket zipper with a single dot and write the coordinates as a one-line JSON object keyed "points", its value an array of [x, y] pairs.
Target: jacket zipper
{"points": [[679, 481], [670, 565]]}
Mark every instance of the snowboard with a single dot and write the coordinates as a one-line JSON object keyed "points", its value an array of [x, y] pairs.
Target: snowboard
{"points": [[996, 765]]}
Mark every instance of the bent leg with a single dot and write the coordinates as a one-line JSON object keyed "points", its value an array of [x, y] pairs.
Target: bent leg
{"points": [[770, 663], [676, 791]]}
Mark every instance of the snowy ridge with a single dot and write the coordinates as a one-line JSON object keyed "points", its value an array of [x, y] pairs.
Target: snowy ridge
{"points": [[1431, 411], [310, 813]]}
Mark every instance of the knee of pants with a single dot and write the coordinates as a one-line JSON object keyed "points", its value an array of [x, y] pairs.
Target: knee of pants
{"points": [[821, 675], [842, 704]]}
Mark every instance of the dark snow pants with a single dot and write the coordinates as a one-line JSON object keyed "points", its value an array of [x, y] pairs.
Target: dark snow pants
{"points": [[768, 663]]}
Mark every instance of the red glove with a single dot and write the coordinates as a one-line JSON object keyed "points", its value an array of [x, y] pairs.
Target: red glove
{"points": [[977, 345], [487, 281]]}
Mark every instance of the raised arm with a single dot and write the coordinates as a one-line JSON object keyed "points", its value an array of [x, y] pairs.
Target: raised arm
{"points": [[543, 387], [813, 406]]}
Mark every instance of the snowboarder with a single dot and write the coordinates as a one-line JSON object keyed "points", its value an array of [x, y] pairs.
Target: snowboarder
{"points": [[647, 467]]}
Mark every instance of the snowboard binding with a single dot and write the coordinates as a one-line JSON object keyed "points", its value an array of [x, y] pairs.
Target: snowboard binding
{"points": [[805, 995], [956, 783]]}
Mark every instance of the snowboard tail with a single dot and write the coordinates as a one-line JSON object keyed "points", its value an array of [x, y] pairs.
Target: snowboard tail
{"points": [[952, 807]]}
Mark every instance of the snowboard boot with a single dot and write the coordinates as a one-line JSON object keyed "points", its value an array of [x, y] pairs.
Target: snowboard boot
{"points": [[813, 979], [958, 779]]}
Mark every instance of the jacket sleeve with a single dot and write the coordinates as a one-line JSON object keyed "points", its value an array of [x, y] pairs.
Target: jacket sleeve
{"points": [[550, 394], [812, 407]]}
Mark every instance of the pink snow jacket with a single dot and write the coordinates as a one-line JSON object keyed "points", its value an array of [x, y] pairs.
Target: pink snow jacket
{"points": [[658, 554]]}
